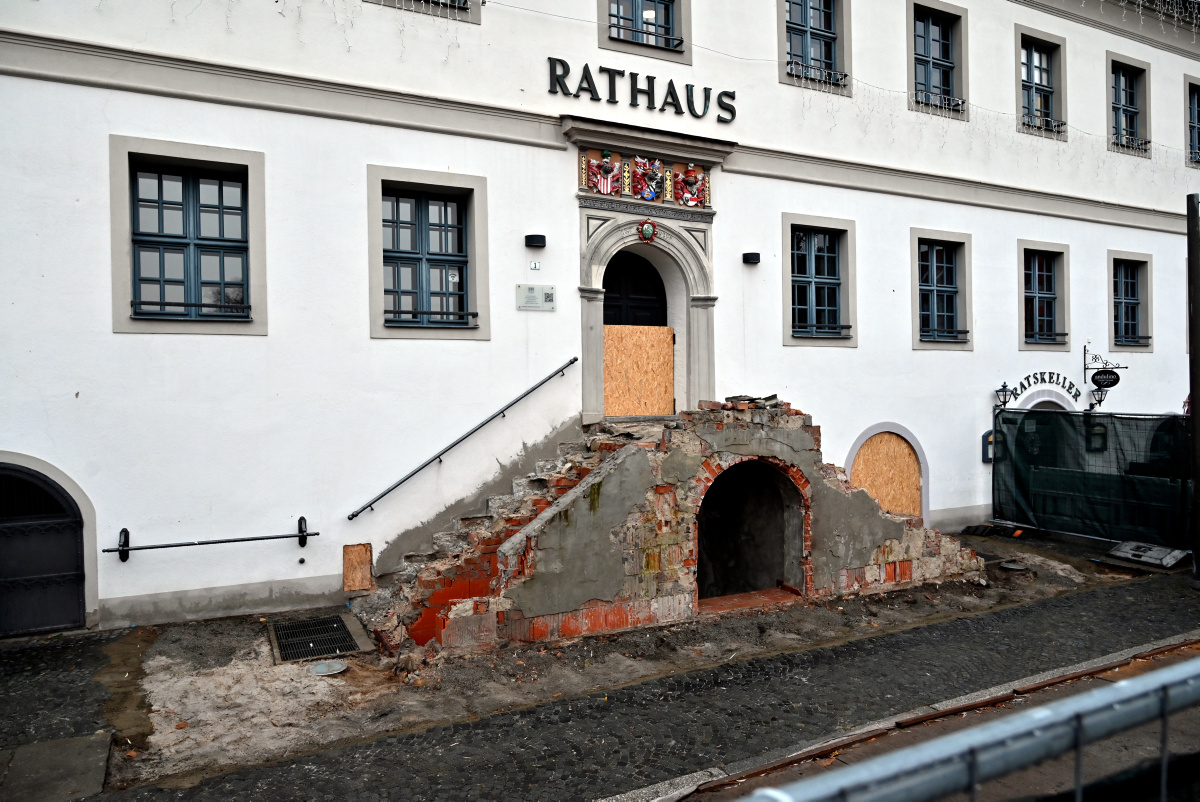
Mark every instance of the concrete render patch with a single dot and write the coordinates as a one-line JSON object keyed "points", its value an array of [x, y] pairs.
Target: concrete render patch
{"points": [[216, 602], [663, 792], [53, 771]]}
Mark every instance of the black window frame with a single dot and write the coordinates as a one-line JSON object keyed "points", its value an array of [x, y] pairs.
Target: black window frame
{"points": [[1127, 303], [198, 250], [800, 31], [1126, 95], [810, 319], [938, 304], [1193, 123], [1040, 84], [1041, 296], [632, 26], [926, 61], [430, 296]]}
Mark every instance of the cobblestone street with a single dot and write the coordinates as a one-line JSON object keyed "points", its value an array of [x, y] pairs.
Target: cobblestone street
{"points": [[618, 741]]}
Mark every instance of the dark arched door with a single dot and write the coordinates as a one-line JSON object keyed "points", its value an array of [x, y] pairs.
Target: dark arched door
{"points": [[634, 294], [41, 554], [639, 346], [751, 518]]}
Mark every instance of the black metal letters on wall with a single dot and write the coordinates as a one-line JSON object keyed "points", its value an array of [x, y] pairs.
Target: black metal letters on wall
{"points": [[642, 90]]}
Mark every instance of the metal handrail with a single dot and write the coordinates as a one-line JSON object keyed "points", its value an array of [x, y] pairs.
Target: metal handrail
{"points": [[959, 762], [123, 548], [370, 505]]}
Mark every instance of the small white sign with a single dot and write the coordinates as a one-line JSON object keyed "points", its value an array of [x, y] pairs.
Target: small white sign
{"points": [[535, 265], [535, 297]]}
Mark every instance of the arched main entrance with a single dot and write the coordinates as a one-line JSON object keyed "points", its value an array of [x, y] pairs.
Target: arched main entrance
{"points": [[751, 519], [680, 254], [41, 554], [639, 345]]}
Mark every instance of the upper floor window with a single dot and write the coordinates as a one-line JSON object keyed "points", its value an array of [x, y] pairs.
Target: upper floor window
{"points": [[816, 283], [650, 22], [1127, 303], [191, 255], [1126, 108], [812, 40], [933, 58], [425, 260], [937, 271], [1194, 123], [1041, 298], [1037, 87]]}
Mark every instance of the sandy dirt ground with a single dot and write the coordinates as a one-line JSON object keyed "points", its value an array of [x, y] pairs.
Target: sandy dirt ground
{"points": [[212, 698]]}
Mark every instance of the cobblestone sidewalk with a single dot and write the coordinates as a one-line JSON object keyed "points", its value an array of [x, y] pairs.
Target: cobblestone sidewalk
{"points": [[609, 743]]}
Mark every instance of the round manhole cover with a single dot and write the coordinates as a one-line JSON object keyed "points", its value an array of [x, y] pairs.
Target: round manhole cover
{"points": [[327, 667]]}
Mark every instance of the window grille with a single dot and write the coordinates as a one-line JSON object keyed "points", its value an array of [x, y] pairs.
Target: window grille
{"points": [[812, 41], [191, 255], [425, 261], [1127, 303], [649, 22], [1037, 88], [937, 271], [933, 53], [1041, 298], [1194, 124], [817, 284], [1125, 111]]}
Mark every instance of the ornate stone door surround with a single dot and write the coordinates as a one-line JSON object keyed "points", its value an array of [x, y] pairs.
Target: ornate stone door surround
{"points": [[684, 243]]}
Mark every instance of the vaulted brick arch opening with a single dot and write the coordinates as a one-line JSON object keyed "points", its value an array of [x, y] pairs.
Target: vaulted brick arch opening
{"points": [[751, 529]]}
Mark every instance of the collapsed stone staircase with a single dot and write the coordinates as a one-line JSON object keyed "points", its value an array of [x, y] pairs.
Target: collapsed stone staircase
{"points": [[604, 536]]}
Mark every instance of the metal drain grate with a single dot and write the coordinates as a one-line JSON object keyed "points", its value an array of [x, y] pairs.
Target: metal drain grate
{"points": [[319, 637]]}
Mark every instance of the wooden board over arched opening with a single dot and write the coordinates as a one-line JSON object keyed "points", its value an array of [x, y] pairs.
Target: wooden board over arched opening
{"points": [[887, 467]]}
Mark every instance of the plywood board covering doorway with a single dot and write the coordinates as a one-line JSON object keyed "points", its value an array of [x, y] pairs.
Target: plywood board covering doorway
{"points": [[887, 467], [639, 370]]}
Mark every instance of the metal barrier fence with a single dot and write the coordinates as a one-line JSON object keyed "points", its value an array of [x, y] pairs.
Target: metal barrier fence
{"points": [[961, 761]]}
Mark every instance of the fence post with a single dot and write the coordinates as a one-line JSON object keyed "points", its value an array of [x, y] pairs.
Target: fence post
{"points": [[1193, 275]]}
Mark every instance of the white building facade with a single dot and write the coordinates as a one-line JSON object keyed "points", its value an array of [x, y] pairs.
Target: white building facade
{"points": [[887, 216]]}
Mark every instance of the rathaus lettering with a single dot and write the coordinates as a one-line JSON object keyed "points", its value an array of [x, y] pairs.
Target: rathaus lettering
{"points": [[640, 87]]}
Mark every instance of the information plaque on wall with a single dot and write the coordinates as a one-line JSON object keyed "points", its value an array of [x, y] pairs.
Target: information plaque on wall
{"points": [[535, 297]]}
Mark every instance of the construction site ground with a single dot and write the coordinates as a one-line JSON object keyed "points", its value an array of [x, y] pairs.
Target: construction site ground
{"points": [[200, 710]]}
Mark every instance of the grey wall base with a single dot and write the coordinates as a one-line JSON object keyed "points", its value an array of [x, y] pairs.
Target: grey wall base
{"points": [[190, 605], [952, 519]]}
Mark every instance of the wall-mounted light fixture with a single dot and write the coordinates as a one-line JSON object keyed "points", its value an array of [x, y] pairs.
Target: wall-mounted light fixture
{"points": [[1004, 395], [751, 258], [1098, 395], [535, 240]]}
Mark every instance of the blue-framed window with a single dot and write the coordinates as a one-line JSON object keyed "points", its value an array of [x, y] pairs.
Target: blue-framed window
{"points": [[1194, 123], [1126, 113], [1041, 298], [191, 255], [817, 283], [425, 260], [937, 279], [649, 22], [1127, 304], [812, 40], [1037, 86], [933, 55]]}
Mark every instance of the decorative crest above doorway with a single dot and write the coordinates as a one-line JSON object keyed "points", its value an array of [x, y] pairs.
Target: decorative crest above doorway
{"points": [[644, 178]]}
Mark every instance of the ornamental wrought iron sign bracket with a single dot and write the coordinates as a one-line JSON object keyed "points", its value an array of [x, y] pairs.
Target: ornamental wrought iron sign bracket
{"points": [[1104, 373]]}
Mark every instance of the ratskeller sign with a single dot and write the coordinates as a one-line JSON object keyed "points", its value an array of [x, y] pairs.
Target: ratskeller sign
{"points": [[639, 89], [1047, 377]]}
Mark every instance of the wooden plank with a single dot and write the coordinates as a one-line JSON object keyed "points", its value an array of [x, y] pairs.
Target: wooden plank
{"points": [[639, 370], [886, 466], [356, 567]]}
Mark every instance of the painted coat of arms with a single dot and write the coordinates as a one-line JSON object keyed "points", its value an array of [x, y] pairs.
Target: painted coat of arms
{"points": [[648, 179], [690, 187], [604, 176]]}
